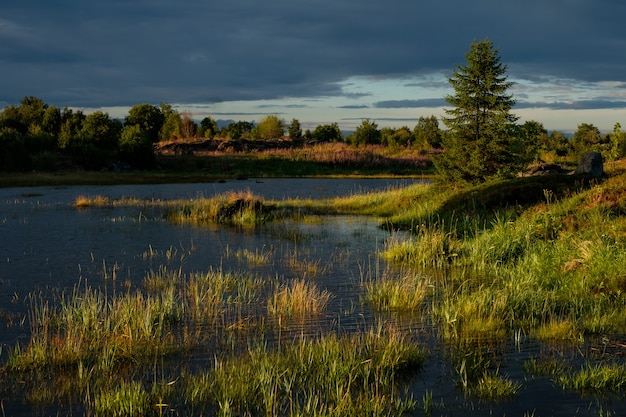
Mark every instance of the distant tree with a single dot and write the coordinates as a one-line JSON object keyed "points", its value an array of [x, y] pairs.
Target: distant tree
{"points": [[28, 119], [618, 143], [31, 113], [94, 141], [149, 118], [51, 122], [479, 145], [135, 147], [587, 138], [396, 137], [295, 130], [270, 127], [366, 133], [13, 153], [531, 138], [171, 128], [188, 127], [559, 143], [10, 119], [71, 125], [101, 131], [208, 127], [427, 132], [239, 130], [327, 133]]}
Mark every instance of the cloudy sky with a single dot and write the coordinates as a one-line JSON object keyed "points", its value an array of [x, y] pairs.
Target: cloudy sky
{"points": [[319, 61]]}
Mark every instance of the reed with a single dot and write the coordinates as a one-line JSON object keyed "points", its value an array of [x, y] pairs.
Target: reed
{"points": [[302, 265], [89, 328], [546, 366]]}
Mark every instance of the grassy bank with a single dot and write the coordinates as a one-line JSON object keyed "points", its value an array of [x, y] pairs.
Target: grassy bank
{"points": [[542, 255]]}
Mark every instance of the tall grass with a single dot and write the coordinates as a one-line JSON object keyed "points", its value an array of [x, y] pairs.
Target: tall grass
{"points": [[238, 208], [88, 327], [298, 299], [591, 379], [342, 376], [553, 268], [397, 291]]}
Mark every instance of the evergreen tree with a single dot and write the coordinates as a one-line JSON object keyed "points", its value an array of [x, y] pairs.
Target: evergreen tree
{"points": [[479, 145], [295, 130]]}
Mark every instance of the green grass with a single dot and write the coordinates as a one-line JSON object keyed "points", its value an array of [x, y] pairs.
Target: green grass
{"points": [[604, 377], [350, 375], [541, 256], [556, 257], [397, 292], [299, 298]]}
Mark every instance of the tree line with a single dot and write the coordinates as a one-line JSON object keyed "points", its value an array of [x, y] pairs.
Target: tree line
{"points": [[483, 139]]}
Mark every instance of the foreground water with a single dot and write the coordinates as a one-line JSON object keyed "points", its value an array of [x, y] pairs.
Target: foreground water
{"points": [[49, 247]]}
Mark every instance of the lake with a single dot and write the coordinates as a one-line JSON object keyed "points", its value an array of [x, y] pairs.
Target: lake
{"points": [[49, 247]]}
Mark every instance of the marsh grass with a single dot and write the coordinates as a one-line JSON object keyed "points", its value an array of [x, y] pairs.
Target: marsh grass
{"points": [[558, 330], [546, 366], [91, 328], [258, 257], [83, 201], [128, 399], [349, 375], [603, 377], [237, 208], [298, 298], [400, 291], [304, 265], [493, 386]]}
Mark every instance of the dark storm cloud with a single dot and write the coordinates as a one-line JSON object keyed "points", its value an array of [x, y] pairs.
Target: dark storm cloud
{"points": [[123, 52], [407, 104], [574, 105]]}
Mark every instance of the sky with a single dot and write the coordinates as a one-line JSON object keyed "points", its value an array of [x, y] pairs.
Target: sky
{"points": [[318, 61]]}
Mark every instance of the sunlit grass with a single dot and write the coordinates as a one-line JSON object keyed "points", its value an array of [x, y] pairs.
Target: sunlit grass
{"points": [[493, 386], [83, 201], [397, 292], [127, 399], [298, 299], [343, 376], [91, 328], [604, 377], [260, 256], [558, 330], [237, 208]]}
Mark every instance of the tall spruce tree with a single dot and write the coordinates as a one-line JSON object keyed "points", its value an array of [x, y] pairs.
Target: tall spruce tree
{"points": [[479, 145]]}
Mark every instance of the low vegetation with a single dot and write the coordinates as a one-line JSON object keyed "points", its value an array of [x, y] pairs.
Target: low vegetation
{"points": [[540, 258]]}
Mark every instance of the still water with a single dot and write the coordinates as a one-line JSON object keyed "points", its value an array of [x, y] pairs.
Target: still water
{"points": [[48, 247]]}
